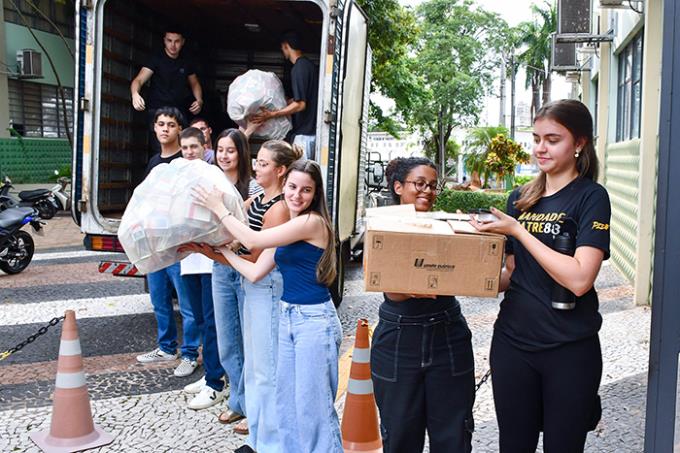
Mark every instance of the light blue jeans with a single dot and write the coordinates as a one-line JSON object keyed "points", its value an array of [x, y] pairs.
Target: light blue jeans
{"points": [[308, 143], [228, 304], [260, 346], [161, 284], [307, 378]]}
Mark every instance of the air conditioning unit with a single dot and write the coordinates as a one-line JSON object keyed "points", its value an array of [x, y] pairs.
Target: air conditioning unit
{"points": [[618, 4], [563, 56], [574, 17], [29, 62]]}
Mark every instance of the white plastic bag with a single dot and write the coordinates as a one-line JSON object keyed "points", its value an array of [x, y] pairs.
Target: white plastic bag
{"points": [[162, 214], [253, 90]]}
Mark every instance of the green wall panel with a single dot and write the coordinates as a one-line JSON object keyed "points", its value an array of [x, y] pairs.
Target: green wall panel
{"points": [[622, 170], [32, 160]]}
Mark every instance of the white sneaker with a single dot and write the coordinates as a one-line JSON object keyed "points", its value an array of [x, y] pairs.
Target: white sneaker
{"points": [[195, 387], [206, 398], [185, 367], [156, 356]]}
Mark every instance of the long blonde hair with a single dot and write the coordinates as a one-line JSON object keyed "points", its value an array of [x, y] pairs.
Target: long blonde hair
{"points": [[326, 270], [576, 118]]}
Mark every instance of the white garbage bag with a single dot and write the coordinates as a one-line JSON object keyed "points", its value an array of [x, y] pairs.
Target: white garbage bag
{"points": [[162, 214], [253, 90]]}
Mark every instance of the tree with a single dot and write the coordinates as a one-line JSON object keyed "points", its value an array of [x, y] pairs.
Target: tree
{"points": [[392, 29], [504, 154], [477, 144], [535, 35], [453, 67], [451, 153]]}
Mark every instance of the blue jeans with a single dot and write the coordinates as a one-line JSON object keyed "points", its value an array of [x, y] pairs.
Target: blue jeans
{"points": [[260, 345], [161, 284], [307, 378], [228, 302], [199, 289]]}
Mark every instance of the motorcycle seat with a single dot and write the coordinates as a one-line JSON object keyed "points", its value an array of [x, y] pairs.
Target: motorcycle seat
{"points": [[29, 195], [12, 216]]}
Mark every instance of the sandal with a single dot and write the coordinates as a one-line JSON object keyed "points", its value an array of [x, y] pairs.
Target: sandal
{"points": [[242, 427], [229, 417]]}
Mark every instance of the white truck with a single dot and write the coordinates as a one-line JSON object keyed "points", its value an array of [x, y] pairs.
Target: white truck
{"points": [[227, 37]]}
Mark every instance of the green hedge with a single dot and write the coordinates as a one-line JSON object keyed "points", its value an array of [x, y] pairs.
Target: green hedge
{"points": [[452, 200]]}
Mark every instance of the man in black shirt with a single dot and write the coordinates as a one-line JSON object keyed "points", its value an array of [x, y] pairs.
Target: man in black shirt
{"points": [[173, 81], [302, 106]]}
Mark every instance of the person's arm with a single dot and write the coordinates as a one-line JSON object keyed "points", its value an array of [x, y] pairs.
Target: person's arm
{"points": [[506, 273], [205, 250], [137, 83], [576, 273], [197, 91], [307, 227], [291, 108], [251, 271], [275, 216]]}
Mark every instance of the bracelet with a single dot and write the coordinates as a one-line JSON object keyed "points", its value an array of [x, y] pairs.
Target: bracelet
{"points": [[225, 215]]}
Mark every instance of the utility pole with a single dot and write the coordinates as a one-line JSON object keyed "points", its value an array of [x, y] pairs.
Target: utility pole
{"points": [[501, 119], [512, 95]]}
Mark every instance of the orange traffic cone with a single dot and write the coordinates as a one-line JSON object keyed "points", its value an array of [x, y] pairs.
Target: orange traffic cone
{"points": [[71, 428], [360, 431]]}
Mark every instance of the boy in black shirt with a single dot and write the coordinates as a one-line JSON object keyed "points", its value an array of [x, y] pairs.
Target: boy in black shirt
{"points": [[305, 86], [167, 126], [545, 353]]}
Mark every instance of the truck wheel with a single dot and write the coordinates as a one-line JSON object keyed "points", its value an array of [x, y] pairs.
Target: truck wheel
{"points": [[337, 289]]}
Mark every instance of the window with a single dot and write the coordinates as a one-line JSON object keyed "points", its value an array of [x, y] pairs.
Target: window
{"points": [[36, 110], [60, 12], [629, 103]]}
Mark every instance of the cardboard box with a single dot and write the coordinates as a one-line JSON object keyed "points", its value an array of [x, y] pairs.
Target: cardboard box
{"points": [[407, 253]]}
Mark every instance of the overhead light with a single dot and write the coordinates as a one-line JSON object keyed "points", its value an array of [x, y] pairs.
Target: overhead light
{"points": [[254, 28]]}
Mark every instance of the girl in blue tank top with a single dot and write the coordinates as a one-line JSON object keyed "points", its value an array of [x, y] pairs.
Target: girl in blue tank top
{"points": [[309, 328]]}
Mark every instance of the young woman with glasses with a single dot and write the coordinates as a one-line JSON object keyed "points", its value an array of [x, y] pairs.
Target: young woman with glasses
{"points": [[421, 357]]}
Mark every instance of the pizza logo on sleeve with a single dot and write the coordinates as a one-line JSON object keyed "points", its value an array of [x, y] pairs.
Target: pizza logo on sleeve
{"points": [[600, 226]]}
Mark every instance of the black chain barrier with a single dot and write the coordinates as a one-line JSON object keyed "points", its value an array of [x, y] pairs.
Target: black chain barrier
{"points": [[483, 380], [42, 331]]}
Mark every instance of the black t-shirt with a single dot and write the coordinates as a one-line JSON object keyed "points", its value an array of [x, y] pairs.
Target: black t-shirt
{"points": [[305, 85], [156, 159], [526, 317], [169, 84]]}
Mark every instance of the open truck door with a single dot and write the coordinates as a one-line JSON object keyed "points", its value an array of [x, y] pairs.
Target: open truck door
{"points": [[346, 191]]}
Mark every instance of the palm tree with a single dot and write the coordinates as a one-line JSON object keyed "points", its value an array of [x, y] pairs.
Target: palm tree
{"points": [[476, 144], [535, 35]]}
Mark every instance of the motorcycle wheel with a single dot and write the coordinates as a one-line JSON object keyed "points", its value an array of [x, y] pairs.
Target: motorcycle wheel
{"points": [[46, 209], [19, 255]]}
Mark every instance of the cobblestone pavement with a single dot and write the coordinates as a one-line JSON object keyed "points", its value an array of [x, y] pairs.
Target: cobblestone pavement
{"points": [[143, 406]]}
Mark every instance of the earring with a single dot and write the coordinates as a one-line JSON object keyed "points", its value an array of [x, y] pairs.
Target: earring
{"points": [[578, 152]]}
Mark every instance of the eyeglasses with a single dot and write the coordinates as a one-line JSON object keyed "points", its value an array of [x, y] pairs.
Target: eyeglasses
{"points": [[421, 185]]}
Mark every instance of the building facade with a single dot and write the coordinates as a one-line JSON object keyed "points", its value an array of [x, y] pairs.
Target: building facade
{"points": [[37, 76], [621, 86]]}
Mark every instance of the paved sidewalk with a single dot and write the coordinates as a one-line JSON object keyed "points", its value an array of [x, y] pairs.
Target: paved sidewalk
{"points": [[145, 410]]}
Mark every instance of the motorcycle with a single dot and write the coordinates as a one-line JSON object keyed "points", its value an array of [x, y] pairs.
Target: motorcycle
{"points": [[16, 245], [46, 201]]}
